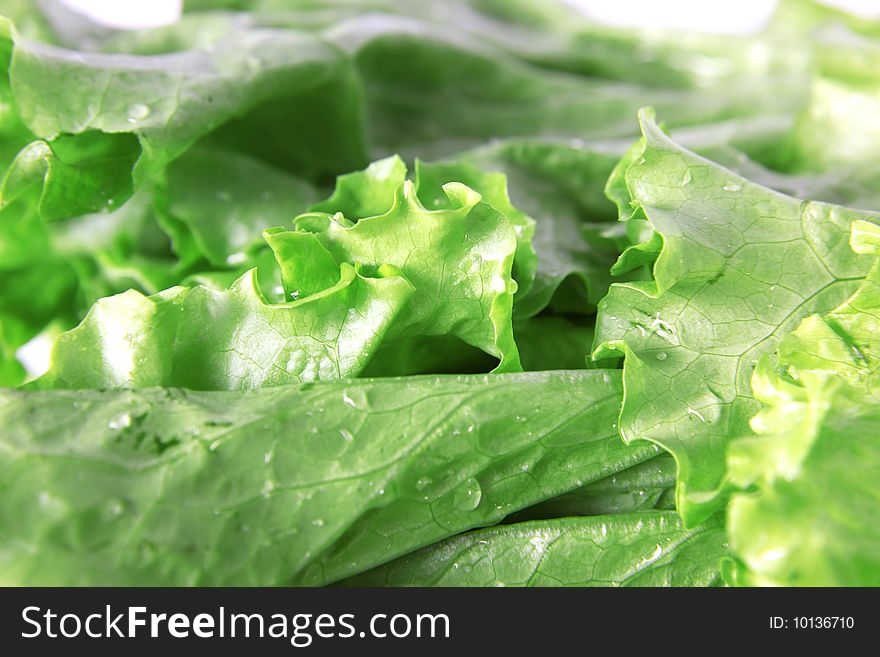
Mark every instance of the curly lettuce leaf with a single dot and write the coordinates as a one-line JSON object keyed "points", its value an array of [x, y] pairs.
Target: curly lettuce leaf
{"points": [[302, 484], [76, 174], [633, 549], [812, 518], [208, 339], [558, 184], [458, 257], [739, 267], [430, 180]]}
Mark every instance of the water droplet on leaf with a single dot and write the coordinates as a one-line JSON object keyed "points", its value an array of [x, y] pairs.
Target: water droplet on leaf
{"points": [[467, 497], [121, 421], [138, 112]]}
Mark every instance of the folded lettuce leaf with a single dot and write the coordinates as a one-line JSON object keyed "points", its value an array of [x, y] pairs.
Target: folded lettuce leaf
{"points": [[811, 515], [643, 487], [458, 254], [207, 339], [430, 181], [558, 184], [302, 484], [215, 204], [630, 549], [737, 267], [152, 108]]}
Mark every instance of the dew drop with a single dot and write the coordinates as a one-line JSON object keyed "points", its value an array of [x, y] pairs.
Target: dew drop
{"points": [[423, 483], [138, 112], [346, 435], [539, 543], [121, 421], [348, 400], [732, 187], [318, 522], [662, 328], [661, 355], [467, 497], [686, 178]]}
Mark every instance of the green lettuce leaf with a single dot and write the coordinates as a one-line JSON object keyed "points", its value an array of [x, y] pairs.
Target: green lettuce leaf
{"points": [[813, 517], [739, 267], [554, 342], [558, 183], [642, 487], [835, 130], [233, 339], [459, 258], [634, 549], [259, 82], [215, 204], [430, 181], [303, 484], [413, 68]]}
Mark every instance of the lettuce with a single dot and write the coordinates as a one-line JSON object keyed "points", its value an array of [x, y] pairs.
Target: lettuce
{"points": [[812, 518], [736, 266], [507, 346], [627, 549], [301, 484]]}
